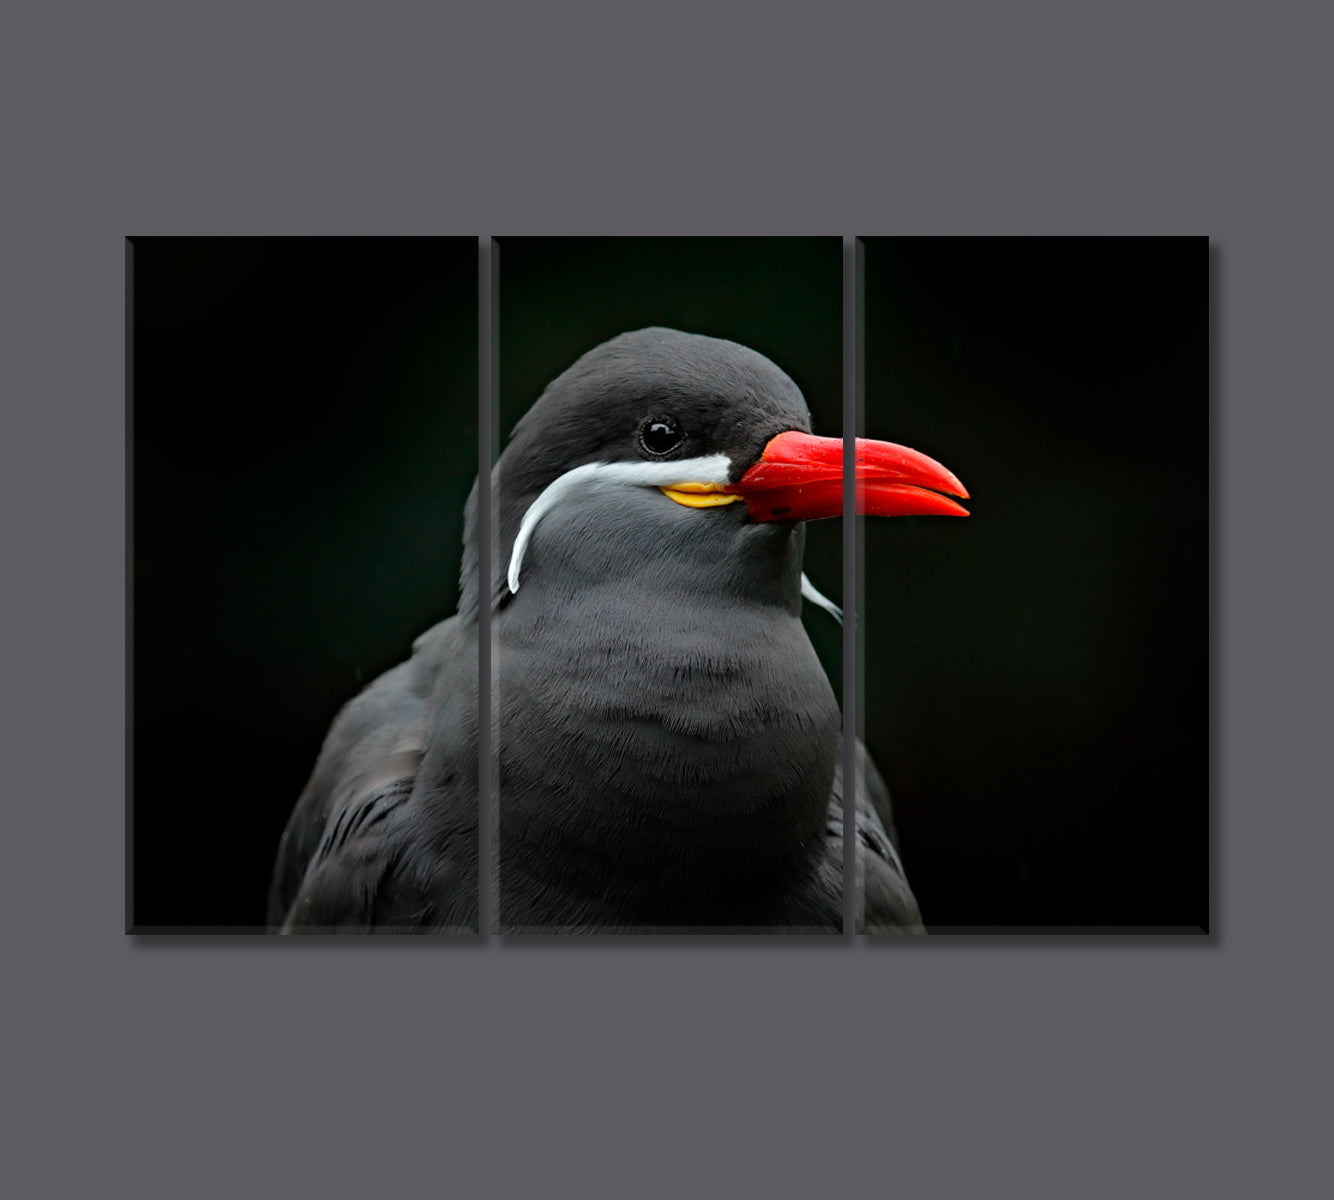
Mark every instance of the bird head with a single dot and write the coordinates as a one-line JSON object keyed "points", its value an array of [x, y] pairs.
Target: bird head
{"points": [[661, 444]]}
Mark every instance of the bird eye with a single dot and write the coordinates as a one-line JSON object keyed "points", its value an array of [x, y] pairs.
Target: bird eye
{"points": [[661, 435]]}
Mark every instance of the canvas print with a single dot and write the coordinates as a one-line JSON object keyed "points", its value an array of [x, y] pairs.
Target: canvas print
{"points": [[1034, 679], [653, 584], [302, 439], [668, 736]]}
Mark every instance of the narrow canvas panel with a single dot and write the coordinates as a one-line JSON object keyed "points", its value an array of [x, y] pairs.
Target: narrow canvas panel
{"points": [[302, 440], [1035, 677], [666, 703]]}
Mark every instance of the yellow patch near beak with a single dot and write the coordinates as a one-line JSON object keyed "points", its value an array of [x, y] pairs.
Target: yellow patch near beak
{"points": [[699, 495]]}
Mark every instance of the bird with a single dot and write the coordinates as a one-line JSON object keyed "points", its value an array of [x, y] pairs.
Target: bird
{"points": [[667, 746]]}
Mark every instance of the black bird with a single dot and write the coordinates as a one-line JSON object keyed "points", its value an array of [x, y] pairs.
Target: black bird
{"points": [[668, 745]]}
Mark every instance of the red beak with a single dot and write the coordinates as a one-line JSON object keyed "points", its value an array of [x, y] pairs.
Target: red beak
{"points": [[799, 477]]}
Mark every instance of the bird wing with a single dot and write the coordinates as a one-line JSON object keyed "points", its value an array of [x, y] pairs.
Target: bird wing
{"points": [[361, 850], [885, 902]]}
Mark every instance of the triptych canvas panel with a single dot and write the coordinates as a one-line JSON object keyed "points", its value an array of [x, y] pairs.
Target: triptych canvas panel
{"points": [[607, 689]]}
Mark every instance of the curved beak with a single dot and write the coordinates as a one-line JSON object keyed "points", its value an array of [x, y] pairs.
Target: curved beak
{"points": [[799, 477]]}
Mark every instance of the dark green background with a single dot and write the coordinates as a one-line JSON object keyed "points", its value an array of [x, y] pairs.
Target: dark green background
{"points": [[1037, 675], [303, 436], [560, 297]]}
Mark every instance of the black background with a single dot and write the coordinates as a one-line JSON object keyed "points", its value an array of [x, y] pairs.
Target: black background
{"points": [[1036, 675], [303, 438]]}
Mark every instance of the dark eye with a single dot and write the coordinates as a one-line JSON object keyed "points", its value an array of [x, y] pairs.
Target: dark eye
{"points": [[661, 435]]}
